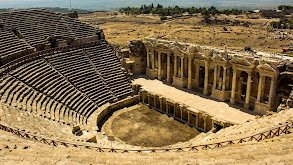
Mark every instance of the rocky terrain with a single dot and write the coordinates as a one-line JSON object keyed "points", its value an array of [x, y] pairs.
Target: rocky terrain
{"points": [[234, 31]]}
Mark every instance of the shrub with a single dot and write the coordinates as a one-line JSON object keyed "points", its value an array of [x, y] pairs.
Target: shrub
{"points": [[163, 18]]}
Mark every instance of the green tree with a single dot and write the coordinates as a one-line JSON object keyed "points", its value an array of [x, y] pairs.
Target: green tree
{"points": [[163, 18], [159, 6], [281, 7]]}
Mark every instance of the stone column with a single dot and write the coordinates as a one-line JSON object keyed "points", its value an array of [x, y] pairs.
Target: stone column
{"points": [[142, 97], [197, 120], [161, 103], [155, 101], [156, 60], [139, 96], [239, 88], [224, 79], [228, 78], [272, 91], [149, 99], [206, 79], [189, 86], [232, 100], [188, 117], [168, 68], [175, 66], [219, 72], [197, 75], [148, 58], [181, 111], [215, 77], [175, 108], [159, 66], [167, 108], [260, 87], [205, 123], [182, 67], [153, 58], [246, 105]]}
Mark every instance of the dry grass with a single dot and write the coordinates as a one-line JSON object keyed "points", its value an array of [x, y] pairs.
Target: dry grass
{"points": [[149, 128], [121, 29]]}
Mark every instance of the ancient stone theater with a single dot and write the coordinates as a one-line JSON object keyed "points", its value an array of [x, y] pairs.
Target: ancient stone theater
{"points": [[61, 81]]}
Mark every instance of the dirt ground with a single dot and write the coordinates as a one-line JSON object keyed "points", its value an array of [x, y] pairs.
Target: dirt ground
{"points": [[120, 29], [149, 128]]}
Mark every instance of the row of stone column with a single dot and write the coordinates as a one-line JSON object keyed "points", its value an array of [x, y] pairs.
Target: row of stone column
{"points": [[248, 89], [150, 58], [221, 84], [177, 72], [261, 86], [182, 113]]}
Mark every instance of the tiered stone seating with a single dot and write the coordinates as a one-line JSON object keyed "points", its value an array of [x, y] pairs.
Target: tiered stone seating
{"points": [[49, 81], [12, 47], [22, 96], [81, 30], [66, 87], [27, 122], [109, 66], [80, 72], [39, 88], [37, 26]]}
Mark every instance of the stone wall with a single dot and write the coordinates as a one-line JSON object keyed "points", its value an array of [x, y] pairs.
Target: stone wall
{"points": [[138, 56], [131, 100]]}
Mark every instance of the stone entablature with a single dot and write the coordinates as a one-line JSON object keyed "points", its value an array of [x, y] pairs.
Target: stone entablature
{"points": [[225, 75]]}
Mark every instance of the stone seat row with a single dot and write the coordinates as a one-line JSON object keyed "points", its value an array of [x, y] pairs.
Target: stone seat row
{"points": [[11, 43], [5, 34], [79, 69], [20, 47], [47, 80], [14, 54], [113, 75], [54, 85], [7, 37], [11, 47], [26, 122], [58, 25], [37, 103], [113, 79], [58, 30], [28, 101]]}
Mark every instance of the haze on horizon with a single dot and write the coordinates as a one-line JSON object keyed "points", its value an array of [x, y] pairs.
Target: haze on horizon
{"points": [[117, 4]]}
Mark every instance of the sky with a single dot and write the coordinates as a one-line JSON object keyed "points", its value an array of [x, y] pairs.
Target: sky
{"points": [[116, 4]]}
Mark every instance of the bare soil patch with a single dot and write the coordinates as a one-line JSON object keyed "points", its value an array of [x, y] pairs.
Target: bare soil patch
{"points": [[149, 128], [121, 29]]}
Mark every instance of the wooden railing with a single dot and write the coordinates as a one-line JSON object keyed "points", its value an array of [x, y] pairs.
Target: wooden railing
{"points": [[278, 131]]}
